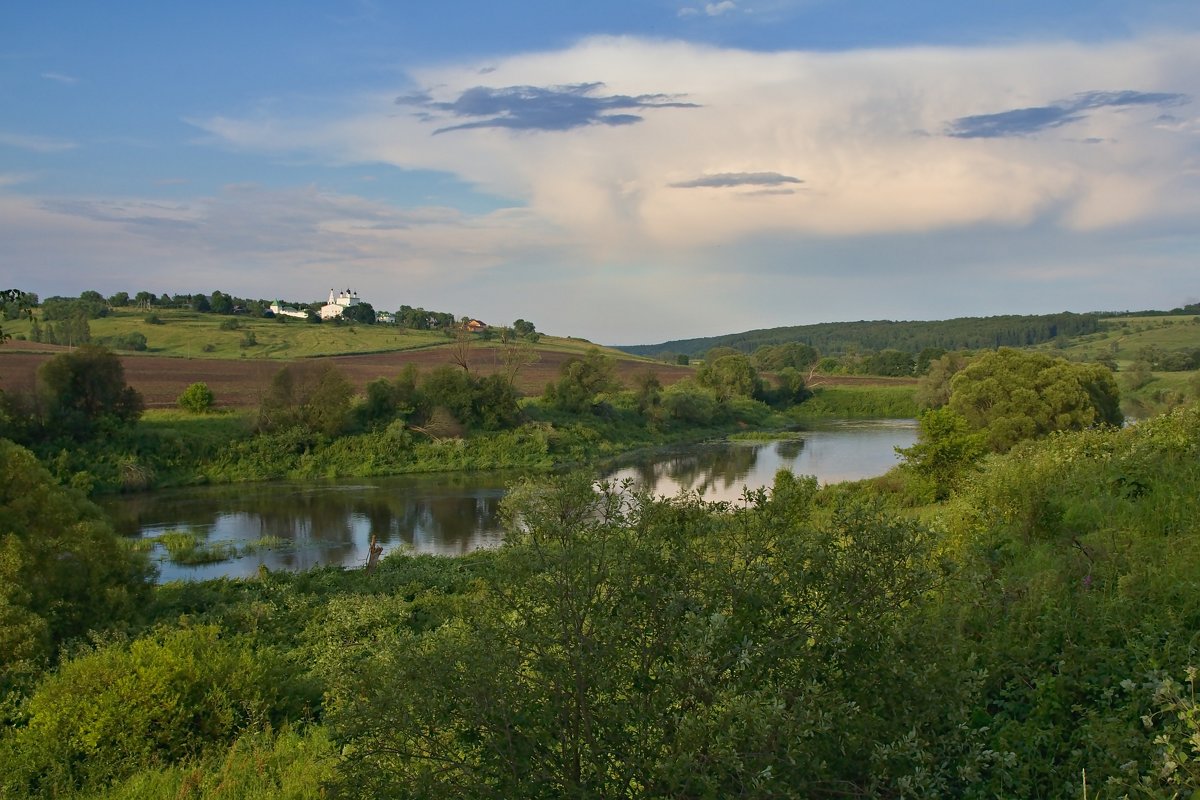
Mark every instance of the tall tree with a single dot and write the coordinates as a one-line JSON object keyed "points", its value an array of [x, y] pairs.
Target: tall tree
{"points": [[85, 390], [1011, 395]]}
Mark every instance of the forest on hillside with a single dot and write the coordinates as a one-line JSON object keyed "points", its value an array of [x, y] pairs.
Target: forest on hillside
{"points": [[839, 338]]}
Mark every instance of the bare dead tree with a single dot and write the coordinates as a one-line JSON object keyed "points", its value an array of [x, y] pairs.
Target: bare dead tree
{"points": [[515, 356], [460, 350], [374, 551]]}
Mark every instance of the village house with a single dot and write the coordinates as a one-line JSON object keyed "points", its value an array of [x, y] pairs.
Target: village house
{"points": [[280, 310]]}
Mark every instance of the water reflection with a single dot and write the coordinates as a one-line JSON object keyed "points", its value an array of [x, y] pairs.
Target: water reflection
{"points": [[723, 471], [295, 526]]}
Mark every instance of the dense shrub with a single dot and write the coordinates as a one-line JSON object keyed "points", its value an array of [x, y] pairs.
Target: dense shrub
{"points": [[62, 570], [197, 398], [162, 699]]}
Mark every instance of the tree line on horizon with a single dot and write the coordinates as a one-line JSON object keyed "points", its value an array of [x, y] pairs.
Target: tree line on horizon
{"points": [[840, 338], [70, 314]]}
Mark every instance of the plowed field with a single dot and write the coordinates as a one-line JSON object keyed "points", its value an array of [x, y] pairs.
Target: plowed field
{"points": [[240, 382]]}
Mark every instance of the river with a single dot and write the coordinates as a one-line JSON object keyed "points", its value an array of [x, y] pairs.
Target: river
{"points": [[295, 526]]}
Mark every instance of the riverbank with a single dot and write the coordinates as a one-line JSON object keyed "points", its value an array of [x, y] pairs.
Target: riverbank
{"points": [[176, 448]]}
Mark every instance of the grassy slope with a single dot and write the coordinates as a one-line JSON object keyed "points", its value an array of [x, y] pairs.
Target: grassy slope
{"points": [[1124, 338], [187, 333]]}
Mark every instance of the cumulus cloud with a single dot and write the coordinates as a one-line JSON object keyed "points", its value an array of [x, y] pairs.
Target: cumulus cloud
{"points": [[725, 180], [537, 108], [849, 123], [743, 165], [1025, 121]]}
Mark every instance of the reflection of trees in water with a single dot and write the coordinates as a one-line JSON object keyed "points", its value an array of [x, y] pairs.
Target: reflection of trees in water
{"points": [[133, 513], [789, 450], [446, 522], [720, 466], [330, 524]]}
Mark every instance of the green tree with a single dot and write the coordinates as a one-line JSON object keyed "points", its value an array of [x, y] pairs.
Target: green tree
{"points": [[622, 646], [451, 389], [119, 299], [197, 398], [85, 390], [926, 358], [524, 328], [315, 398], [495, 403], [220, 303], [946, 449], [933, 387], [790, 388], [581, 381], [797, 355], [730, 376], [161, 699], [62, 570], [891, 363], [688, 402], [362, 313], [1012, 395]]}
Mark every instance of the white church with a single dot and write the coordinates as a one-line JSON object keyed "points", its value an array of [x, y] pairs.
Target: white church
{"points": [[338, 304]]}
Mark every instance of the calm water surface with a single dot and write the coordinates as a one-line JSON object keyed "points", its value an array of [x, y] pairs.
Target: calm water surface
{"points": [[316, 523]]}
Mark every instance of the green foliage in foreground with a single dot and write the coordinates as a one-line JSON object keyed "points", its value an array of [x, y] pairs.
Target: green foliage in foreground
{"points": [[62, 571], [1036, 626]]}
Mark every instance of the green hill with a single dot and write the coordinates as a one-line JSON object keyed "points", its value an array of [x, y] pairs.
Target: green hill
{"points": [[192, 334], [837, 338]]}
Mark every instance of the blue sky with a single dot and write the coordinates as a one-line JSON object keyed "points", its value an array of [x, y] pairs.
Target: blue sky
{"points": [[628, 171]]}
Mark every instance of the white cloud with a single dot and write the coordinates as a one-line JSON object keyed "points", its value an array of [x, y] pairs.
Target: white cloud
{"points": [[875, 204], [36, 144], [862, 129], [59, 77]]}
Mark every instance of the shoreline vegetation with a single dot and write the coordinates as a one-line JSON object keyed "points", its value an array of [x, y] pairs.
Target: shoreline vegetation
{"points": [[1010, 612]]}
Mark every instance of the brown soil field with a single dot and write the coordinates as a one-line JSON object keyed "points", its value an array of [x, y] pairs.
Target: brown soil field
{"points": [[240, 382]]}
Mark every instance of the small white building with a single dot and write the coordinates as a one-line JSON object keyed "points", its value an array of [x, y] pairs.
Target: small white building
{"points": [[338, 303], [280, 310]]}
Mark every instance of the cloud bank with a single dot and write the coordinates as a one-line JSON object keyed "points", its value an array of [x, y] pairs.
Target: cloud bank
{"points": [[708, 189]]}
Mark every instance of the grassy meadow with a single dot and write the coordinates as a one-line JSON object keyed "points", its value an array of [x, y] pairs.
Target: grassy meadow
{"points": [[192, 334]]}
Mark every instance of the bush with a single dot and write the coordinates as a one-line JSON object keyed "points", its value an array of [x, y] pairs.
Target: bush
{"points": [[197, 398], [128, 341], [62, 571], [687, 402], [119, 709]]}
